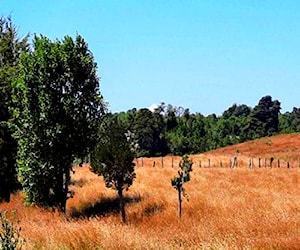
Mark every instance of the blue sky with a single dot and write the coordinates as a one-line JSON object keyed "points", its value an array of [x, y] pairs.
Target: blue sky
{"points": [[201, 55]]}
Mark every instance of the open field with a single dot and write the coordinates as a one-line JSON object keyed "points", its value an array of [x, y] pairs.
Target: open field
{"points": [[238, 208]]}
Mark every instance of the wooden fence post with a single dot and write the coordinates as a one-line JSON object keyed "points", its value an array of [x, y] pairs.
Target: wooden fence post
{"points": [[233, 162], [271, 162], [250, 163]]}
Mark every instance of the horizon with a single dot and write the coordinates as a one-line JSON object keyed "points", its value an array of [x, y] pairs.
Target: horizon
{"points": [[204, 56]]}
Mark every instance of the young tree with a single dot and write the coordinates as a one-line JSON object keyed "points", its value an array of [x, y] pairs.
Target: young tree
{"points": [[183, 176], [57, 103], [113, 158], [10, 48]]}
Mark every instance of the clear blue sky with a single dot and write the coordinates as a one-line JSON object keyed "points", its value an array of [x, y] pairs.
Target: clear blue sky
{"points": [[200, 54]]}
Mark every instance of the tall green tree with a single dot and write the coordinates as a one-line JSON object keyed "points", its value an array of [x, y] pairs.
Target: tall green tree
{"points": [[148, 127], [170, 117], [57, 104], [113, 158], [235, 119], [11, 46], [127, 118], [264, 118]]}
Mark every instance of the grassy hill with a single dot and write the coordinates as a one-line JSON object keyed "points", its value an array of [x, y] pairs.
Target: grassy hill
{"points": [[237, 208], [286, 147]]}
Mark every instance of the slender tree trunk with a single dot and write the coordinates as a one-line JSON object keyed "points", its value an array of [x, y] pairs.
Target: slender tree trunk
{"points": [[265, 162], [66, 182], [271, 162], [122, 205], [179, 202]]}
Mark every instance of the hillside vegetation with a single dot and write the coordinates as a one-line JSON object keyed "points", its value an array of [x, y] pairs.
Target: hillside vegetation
{"points": [[237, 208]]}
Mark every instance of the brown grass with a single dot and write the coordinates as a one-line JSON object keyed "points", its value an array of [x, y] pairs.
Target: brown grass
{"points": [[237, 208]]}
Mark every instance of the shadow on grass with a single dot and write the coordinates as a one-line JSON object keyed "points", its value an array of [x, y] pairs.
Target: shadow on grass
{"points": [[105, 206], [152, 209]]}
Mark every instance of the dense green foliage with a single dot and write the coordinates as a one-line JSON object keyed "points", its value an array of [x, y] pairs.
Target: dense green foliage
{"points": [[10, 48], [56, 107], [147, 129], [264, 119], [174, 130], [9, 233], [113, 157], [289, 122]]}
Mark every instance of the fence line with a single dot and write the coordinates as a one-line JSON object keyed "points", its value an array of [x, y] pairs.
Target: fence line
{"points": [[221, 162]]}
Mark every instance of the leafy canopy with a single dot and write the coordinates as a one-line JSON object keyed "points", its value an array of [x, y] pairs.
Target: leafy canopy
{"points": [[185, 166], [113, 156], [11, 47], [57, 105]]}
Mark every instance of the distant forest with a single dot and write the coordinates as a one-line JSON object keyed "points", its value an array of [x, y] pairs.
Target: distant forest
{"points": [[175, 130]]}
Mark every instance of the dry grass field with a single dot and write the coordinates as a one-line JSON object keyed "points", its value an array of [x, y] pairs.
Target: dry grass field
{"points": [[237, 208]]}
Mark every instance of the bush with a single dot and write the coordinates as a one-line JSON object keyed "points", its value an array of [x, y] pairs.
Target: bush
{"points": [[9, 233]]}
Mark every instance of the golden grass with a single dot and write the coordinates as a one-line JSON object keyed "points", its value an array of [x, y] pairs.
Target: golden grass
{"points": [[237, 208]]}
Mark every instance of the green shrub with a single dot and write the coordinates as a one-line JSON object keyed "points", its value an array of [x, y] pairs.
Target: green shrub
{"points": [[9, 233]]}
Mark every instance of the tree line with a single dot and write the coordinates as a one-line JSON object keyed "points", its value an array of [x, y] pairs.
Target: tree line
{"points": [[175, 130], [52, 113]]}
